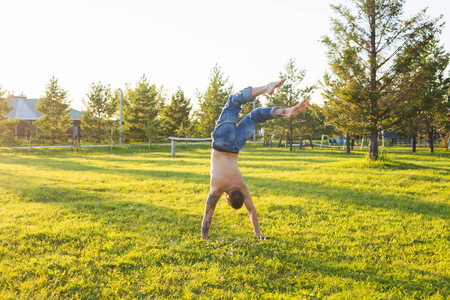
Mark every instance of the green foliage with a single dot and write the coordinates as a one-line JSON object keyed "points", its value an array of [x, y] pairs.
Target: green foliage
{"points": [[372, 44], [426, 101], [56, 117], [152, 130], [100, 107], [7, 125], [182, 131], [286, 96], [212, 102], [125, 224], [313, 121], [176, 115], [141, 110], [195, 129]]}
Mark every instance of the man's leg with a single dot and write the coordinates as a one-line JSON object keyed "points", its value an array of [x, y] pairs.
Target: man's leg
{"points": [[247, 125], [267, 89], [289, 113], [232, 108], [292, 112], [227, 135], [224, 135]]}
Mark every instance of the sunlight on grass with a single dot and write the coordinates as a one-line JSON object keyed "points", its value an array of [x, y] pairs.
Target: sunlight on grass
{"points": [[125, 224]]}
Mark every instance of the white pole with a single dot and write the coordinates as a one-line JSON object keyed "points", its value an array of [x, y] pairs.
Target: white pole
{"points": [[254, 131], [173, 148]]}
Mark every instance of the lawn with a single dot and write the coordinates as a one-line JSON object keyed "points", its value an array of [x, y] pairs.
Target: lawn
{"points": [[125, 224]]}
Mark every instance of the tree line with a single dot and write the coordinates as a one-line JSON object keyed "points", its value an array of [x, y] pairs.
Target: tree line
{"points": [[386, 73], [149, 113]]}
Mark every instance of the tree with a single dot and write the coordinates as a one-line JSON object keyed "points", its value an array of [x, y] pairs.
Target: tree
{"points": [[425, 102], [343, 116], [194, 128], [151, 130], [176, 114], [371, 45], [100, 108], [288, 95], [434, 89], [7, 124], [141, 110], [184, 132], [212, 101], [312, 124], [444, 128], [56, 117]]}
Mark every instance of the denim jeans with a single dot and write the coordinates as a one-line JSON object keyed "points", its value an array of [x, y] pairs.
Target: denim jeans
{"points": [[229, 137]]}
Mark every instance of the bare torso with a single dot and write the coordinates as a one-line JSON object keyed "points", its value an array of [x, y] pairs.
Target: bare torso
{"points": [[225, 174]]}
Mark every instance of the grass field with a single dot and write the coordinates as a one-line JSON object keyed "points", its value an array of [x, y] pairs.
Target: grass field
{"points": [[125, 224]]}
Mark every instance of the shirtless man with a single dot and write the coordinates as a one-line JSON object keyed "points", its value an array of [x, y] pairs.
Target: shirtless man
{"points": [[227, 140]]}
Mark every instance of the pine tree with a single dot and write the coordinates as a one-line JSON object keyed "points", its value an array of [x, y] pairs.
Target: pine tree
{"points": [[183, 132], [288, 95], [7, 124], [152, 130], [176, 114], [194, 128], [100, 108], [56, 117], [212, 101], [371, 44], [141, 110], [425, 101], [312, 125], [432, 90]]}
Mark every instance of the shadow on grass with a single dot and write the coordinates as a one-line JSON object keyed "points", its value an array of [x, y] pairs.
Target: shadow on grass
{"points": [[274, 187], [402, 165], [50, 163], [344, 196], [115, 213], [168, 224]]}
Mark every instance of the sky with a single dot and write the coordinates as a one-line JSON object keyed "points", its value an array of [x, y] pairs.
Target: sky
{"points": [[175, 43]]}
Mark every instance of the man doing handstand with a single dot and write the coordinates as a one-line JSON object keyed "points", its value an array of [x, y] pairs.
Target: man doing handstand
{"points": [[227, 140]]}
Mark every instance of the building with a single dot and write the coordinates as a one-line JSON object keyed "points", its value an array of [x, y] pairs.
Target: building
{"points": [[25, 110]]}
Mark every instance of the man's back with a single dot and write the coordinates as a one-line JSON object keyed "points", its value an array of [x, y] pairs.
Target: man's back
{"points": [[225, 174]]}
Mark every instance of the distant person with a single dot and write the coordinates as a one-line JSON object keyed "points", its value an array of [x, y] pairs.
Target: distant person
{"points": [[228, 139]]}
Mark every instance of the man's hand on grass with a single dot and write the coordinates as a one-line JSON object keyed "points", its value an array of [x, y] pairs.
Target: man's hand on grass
{"points": [[261, 236]]}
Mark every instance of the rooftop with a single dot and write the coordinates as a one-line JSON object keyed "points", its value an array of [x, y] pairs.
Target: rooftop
{"points": [[25, 109]]}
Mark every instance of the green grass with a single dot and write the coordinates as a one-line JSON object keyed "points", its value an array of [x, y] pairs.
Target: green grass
{"points": [[125, 224]]}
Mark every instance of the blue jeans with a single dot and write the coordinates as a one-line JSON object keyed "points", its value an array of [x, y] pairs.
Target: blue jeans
{"points": [[229, 137]]}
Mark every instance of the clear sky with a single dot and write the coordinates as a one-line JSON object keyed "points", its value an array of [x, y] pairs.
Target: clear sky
{"points": [[176, 43]]}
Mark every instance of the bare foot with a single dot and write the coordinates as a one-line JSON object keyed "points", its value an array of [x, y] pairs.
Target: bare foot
{"points": [[273, 85], [292, 112]]}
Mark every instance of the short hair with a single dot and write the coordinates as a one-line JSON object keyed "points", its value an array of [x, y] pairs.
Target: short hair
{"points": [[236, 198]]}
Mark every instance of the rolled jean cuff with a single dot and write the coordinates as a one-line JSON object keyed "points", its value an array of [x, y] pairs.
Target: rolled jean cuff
{"points": [[248, 95], [272, 112]]}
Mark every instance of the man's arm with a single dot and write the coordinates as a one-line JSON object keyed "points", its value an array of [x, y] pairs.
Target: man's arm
{"points": [[211, 202], [252, 212]]}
